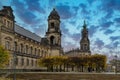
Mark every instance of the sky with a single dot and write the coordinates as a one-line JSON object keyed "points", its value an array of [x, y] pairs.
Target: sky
{"points": [[102, 18]]}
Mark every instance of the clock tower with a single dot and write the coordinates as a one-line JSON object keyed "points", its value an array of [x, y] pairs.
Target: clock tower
{"points": [[53, 33], [85, 43]]}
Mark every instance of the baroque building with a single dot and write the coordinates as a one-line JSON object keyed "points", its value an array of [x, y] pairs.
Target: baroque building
{"points": [[26, 47], [84, 49]]}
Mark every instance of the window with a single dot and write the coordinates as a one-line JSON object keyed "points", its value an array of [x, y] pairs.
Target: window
{"points": [[31, 50], [32, 62], [21, 48], [85, 46], [26, 51], [35, 50], [7, 45], [22, 61], [39, 52], [15, 46], [8, 23], [52, 40], [16, 62], [27, 62], [52, 25]]}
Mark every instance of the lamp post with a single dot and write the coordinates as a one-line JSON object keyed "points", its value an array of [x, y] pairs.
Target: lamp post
{"points": [[116, 64], [14, 66]]}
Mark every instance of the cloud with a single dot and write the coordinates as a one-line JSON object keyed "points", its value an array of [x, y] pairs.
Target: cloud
{"points": [[40, 29], [34, 5], [26, 15], [105, 25], [76, 37], [109, 6], [64, 11], [84, 11], [109, 31], [91, 1], [116, 43], [113, 38], [99, 43], [92, 30], [117, 20]]}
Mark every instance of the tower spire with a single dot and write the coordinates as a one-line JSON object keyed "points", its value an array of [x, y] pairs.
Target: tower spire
{"points": [[84, 25]]}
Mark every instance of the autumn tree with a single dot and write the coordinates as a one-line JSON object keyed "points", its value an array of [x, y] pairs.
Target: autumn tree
{"points": [[4, 57]]}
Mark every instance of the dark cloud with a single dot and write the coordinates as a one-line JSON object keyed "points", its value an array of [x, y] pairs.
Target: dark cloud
{"points": [[64, 29], [99, 43], [91, 1], [64, 11], [92, 30], [109, 6], [105, 25], [23, 13], [84, 11], [108, 31], [115, 44], [76, 37], [113, 38], [117, 20], [52, 2], [34, 5], [40, 29]]}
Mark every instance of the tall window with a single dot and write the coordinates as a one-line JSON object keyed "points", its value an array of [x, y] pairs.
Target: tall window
{"points": [[7, 45], [85, 46], [35, 51], [26, 48], [39, 52], [52, 25], [15, 46], [16, 62], [21, 48], [32, 62], [22, 61], [52, 40], [27, 62], [31, 50]]}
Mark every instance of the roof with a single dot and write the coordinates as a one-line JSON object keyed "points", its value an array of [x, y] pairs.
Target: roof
{"points": [[54, 15], [24, 32]]}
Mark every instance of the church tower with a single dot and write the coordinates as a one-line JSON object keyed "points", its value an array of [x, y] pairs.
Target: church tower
{"points": [[85, 43], [53, 33]]}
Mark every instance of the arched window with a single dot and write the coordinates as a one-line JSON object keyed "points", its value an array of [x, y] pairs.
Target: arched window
{"points": [[32, 62], [31, 50], [52, 25], [15, 46], [16, 61], [27, 62], [21, 48], [22, 61], [39, 52], [52, 40], [26, 49], [7, 45], [35, 51]]}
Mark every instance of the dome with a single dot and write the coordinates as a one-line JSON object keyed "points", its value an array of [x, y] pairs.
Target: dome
{"points": [[54, 15]]}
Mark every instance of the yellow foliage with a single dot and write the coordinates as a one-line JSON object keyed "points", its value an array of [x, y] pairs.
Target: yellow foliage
{"points": [[4, 57]]}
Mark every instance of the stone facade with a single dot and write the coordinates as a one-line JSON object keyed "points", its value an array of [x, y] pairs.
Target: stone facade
{"points": [[24, 46], [84, 49]]}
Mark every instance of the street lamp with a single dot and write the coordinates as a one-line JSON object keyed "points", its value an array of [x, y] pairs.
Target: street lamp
{"points": [[116, 64], [14, 66]]}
